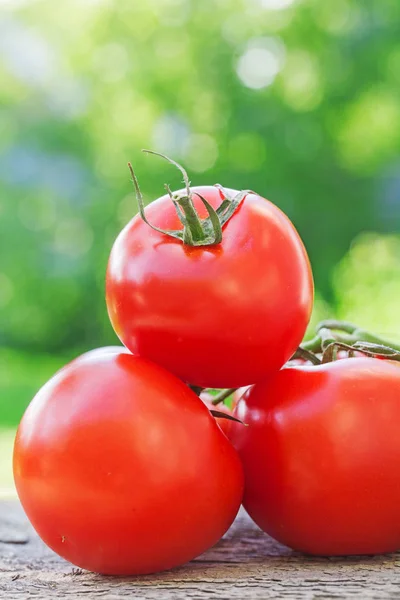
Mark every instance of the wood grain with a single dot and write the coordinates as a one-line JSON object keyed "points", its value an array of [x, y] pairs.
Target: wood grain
{"points": [[246, 564]]}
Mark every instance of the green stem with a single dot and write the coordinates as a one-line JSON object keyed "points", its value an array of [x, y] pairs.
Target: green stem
{"points": [[345, 333], [193, 224], [337, 326], [362, 335], [222, 396], [330, 352], [333, 335], [301, 352], [139, 198], [350, 334], [367, 348], [213, 222], [177, 165], [313, 345], [328, 337], [196, 231]]}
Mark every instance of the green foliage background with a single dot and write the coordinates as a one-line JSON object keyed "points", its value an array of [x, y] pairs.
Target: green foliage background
{"points": [[297, 100]]}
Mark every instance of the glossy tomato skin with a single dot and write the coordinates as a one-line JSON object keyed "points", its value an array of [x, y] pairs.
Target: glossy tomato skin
{"points": [[122, 470], [321, 455], [216, 316]]}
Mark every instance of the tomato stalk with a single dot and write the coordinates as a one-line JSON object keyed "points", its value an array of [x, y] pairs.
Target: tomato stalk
{"points": [[301, 352], [368, 349], [221, 415], [222, 395], [196, 231], [218, 398], [335, 335], [358, 334]]}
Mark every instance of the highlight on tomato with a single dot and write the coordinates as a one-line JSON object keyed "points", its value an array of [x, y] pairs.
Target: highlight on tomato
{"points": [[211, 283], [122, 469]]}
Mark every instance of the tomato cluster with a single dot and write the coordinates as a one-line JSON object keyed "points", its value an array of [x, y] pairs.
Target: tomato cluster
{"points": [[123, 469]]}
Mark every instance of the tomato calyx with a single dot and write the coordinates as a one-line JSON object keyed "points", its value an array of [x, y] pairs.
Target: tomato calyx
{"points": [[333, 336], [221, 415], [196, 231]]}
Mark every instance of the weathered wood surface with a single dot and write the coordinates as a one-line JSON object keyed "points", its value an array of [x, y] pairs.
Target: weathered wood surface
{"points": [[246, 564]]}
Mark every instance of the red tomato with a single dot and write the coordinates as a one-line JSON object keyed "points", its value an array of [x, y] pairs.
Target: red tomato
{"points": [[122, 470], [321, 455], [216, 316]]}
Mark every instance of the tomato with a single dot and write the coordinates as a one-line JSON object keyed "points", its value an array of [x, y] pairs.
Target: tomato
{"points": [[121, 469], [321, 455], [216, 316]]}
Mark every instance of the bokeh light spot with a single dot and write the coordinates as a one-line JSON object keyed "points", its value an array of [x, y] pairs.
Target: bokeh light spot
{"points": [[201, 152], [301, 81], [367, 283], [111, 62], [276, 4], [260, 62], [73, 237], [339, 17], [369, 132], [170, 135], [26, 54]]}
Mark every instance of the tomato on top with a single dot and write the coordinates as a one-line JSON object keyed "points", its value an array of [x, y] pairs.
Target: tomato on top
{"points": [[221, 315]]}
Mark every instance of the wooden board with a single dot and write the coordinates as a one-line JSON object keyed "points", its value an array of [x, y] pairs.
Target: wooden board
{"points": [[246, 564]]}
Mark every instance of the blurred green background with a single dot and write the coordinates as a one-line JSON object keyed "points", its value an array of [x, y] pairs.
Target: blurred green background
{"points": [[298, 100]]}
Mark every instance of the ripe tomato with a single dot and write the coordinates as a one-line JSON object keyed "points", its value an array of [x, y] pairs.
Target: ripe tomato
{"points": [[122, 470], [321, 455], [216, 316]]}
